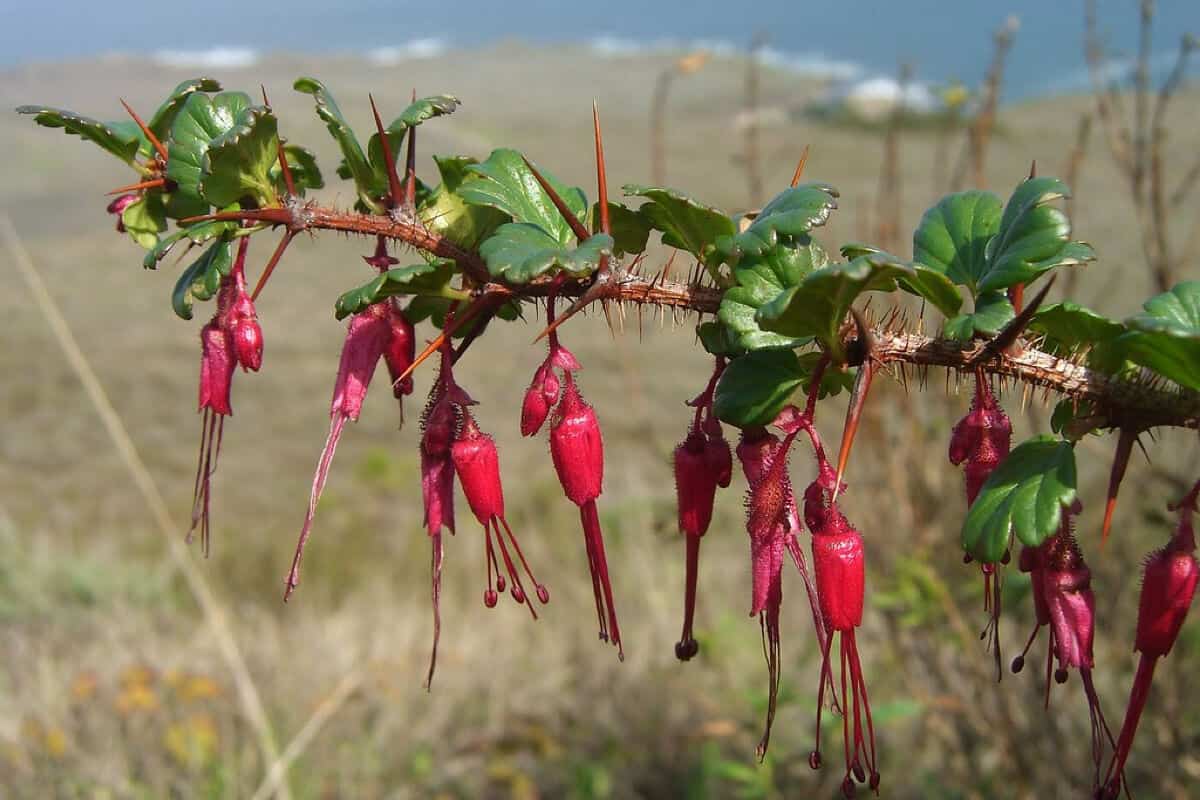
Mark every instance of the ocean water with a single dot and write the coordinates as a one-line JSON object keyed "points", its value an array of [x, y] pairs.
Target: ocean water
{"points": [[943, 39]]}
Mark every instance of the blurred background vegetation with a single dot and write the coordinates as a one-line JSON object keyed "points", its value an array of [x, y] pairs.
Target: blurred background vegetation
{"points": [[112, 683]]}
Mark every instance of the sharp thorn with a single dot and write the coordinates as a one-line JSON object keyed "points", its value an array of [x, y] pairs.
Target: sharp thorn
{"points": [[266, 273], [858, 399], [577, 227], [596, 291], [410, 169], [800, 167], [455, 323], [1120, 461], [1013, 330], [288, 183], [601, 172], [149, 134], [1033, 169], [386, 146], [137, 187]]}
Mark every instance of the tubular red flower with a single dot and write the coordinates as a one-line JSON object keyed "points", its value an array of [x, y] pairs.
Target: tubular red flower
{"points": [[1168, 587], [217, 360], [577, 450], [478, 466]]}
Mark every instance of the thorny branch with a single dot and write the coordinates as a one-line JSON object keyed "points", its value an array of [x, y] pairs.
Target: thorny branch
{"points": [[1115, 401]]}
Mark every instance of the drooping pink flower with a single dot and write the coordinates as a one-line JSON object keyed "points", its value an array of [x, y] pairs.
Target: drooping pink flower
{"points": [[366, 339], [217, 361], [117, 208], [478, 466], [577, 450]]}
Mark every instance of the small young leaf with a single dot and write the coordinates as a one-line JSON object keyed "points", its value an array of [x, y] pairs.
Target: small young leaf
{"points": [[793, 212], [108, 135], [952, 237], [238, 163], [518, 252], [446, 214], [755, 387], [992, 312], [504, 183], [819, 303], [1166, 336], [761, 279], [195, 234], [925, 282], [431, 280], [1024, 496], [201, 280], [355, 161], [684, 223], [145, 218]]}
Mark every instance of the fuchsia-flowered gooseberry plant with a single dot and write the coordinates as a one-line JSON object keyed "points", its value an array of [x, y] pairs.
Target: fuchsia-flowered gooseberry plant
{"points": [[778, 312]]}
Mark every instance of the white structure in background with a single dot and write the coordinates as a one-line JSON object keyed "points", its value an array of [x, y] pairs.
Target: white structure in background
{"points": [[212, 58], [873, 99]]}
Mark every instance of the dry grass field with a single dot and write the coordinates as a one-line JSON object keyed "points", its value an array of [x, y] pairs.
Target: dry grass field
{"points": [[112, 684]]}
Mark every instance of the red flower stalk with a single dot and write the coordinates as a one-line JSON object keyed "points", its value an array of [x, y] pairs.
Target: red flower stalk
{"points": [[840, 565], [1168, 586], [478, 466], [366, 339], [702, 462], [578, 453], [231, 337], [980, 441]]}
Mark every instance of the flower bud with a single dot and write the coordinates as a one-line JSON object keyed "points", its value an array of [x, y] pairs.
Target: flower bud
{"points": [[216, 368], [695, 484], [401, 350], [478, 466], [577, 448]]}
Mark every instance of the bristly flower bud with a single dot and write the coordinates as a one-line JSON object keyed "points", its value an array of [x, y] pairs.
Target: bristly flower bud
{"points": [[1168, 587], [539, 397], [478, 466], [981, 439]]}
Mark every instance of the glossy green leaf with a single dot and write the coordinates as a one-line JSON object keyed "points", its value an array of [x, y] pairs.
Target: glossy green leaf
{"points": [[202, 119], [952, 236], [201, 280], [630, 230], [193, 234], [108, 135], [163, 119], [421, 279], [238, 163], [992, 312], [925, 282], [518, 252], [793, 212], [760, 280], [684, 222], [504, 183], [1166, 336], [834, 380], [818, 305], [145, 218], [1024, 496], [302, 163], [1032, 235], [446, 214], [755, 387]]}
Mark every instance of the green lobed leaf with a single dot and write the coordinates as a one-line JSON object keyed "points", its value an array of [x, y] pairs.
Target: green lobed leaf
{"points": [[755, 387], [446, 214], [518, 252], [163, 119], [758, 281], [1024, 496], [201, 280], [504, 183], [793, 212], [630, 229], [925, 282], [819, 303], [1069, 326], [238, 163], [992, 312], [145, 218], [1166, 336], [1032, 234], [952, 236], [110, 136], [684, 222], [431, 280], [201, 119]]}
